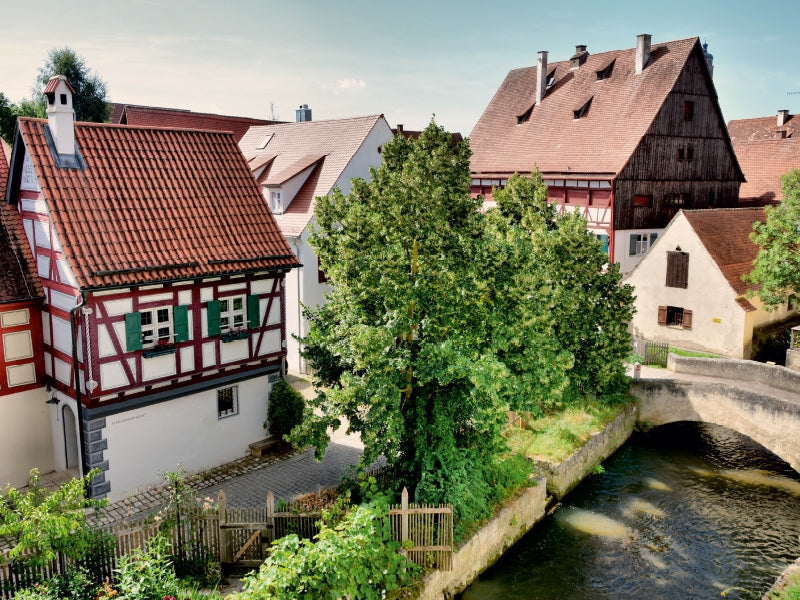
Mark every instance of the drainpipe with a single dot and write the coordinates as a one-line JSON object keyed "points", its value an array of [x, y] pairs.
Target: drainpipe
{"points": [[612, 240], [73, 315]]}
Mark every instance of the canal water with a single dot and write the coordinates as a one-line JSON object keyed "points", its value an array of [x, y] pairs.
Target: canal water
{"points": [[685, 511]]}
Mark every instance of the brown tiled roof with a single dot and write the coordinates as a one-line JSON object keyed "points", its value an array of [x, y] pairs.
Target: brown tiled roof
{"points": [[337, 140], [762, 128], [763, 156], [725, 233], [20, 280], [155, 205], [152, 116], [622, 109], [409, 133]]}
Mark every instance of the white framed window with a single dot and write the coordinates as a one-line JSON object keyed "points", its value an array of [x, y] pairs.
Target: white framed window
{"points": [[232, 313], [227, 402], [640, 243], [156, 325], [275, 201]]}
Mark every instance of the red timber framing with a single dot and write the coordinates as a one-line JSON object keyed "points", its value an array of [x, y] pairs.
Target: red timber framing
{"points": [[201, 357], [22, 364], [593, 198]]}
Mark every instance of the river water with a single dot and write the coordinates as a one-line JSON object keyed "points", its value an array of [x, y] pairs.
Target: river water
{"points": [[685, 511]]}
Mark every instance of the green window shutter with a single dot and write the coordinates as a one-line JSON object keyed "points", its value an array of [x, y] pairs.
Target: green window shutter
{"points": [[253, 311], [632, 249], [212, 306], [604, 240], [180, 321], [653, 237], [133, 331]]}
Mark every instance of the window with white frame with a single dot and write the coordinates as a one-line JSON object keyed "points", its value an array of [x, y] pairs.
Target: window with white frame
{"points": [[227, 401], [640, 243], [275, 201], [156, 325], [232, 313]]}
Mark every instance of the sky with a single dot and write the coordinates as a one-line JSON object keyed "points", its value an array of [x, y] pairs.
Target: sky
{"points": [[411, 60]]}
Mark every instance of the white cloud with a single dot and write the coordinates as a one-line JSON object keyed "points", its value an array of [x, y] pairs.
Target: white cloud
{"points": [[351, 83]]}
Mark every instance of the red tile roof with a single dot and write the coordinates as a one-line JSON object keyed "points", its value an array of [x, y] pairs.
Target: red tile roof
{"points": [[764, 156], [152, 116], [623, 106], [20, 280], [155, 205], [292, 144], [725, 233]]}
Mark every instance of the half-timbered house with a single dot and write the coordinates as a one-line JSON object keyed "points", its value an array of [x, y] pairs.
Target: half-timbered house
{"points": [[163, 274], [626, 137], [25, 437], [295, 163]]}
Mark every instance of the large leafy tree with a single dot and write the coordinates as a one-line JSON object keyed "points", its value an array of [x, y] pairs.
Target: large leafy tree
{"points": [[8, 119], [443, 318], [89, 100], [777, 266]]}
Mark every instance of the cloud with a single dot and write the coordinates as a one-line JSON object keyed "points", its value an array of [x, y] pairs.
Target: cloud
{"points": [[351, 83]]}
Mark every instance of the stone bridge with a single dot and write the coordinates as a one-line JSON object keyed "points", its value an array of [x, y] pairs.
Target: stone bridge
{"points": [[760, 401]]}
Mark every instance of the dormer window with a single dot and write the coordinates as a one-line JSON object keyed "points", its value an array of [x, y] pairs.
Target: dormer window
{"points": [[551, 78], [580, 112], [276, 202], [524, 116], [606, 72]]}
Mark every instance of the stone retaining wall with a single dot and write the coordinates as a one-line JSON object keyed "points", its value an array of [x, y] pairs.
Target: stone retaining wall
{"points": [[513, 521], [732, 368], [563, 477], [783, 580]]}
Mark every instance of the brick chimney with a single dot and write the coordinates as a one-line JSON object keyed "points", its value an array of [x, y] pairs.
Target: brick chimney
{"points": [[60, 114], [541, 76], [642, 51], [783, 116]]}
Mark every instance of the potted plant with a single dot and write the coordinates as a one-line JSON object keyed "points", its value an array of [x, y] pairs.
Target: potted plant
{"points": [[163, 346]]}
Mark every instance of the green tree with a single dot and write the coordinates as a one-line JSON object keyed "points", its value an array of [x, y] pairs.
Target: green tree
{"points": [[442, 319], [48, 523], [777, 266], [8, 119], [89, 100]]}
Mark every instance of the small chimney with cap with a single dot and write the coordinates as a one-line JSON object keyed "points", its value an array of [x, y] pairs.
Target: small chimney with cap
{"points": [[642, 51], [60, 114], [578, 58], [783, 116], [541, 76], [303, 113]]}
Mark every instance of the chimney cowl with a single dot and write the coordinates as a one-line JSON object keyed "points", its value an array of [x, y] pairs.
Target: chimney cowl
{"points": [[579, 57], [60, 114], [783, 116], [303, 113], [642, 51]]}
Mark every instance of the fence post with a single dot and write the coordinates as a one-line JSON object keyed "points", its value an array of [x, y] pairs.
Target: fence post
{"points": [[225, 552], [270, 517], [404, 517]]}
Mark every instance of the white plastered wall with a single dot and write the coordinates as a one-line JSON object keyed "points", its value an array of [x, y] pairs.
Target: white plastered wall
{"points": [[718, 321], [25, 439], [146, 441]]}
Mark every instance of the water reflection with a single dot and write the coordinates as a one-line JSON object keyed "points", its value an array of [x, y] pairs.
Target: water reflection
{"points": [[683, 512]]}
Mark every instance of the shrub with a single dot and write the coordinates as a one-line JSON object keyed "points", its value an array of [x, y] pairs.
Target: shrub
{"points": [[148, 575], [285, 410], [75, 584]]}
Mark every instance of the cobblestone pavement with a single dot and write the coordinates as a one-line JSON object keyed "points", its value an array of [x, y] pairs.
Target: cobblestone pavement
{"points": [[248, 480]]}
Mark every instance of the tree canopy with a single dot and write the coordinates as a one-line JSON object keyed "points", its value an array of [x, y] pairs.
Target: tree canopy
{"points": [[441, 318], [89, 100], [8, 119], [777, 266]]}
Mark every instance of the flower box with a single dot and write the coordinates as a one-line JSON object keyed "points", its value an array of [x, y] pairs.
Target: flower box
{"points": [[161, 350], [232, 336]]}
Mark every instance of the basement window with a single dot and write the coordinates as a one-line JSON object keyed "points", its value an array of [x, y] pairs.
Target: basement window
{"points": [[582, 110], [227, 402]]}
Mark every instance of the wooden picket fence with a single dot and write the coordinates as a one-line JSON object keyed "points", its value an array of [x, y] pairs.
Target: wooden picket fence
{"points": [[240, 537], [653, 352]]}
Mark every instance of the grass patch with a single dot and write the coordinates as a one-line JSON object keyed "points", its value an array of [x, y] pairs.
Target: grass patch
{"points": [[693, 354], [790, 592], [557, 435]]}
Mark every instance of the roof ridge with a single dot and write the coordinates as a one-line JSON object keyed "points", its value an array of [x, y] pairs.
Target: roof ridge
{"points": [[121, 126]]}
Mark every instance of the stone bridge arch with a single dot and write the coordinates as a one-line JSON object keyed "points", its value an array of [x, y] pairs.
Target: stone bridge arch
{"points": [[771, 421]]}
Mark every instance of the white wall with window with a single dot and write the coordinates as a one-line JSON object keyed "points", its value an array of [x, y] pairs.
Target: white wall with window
{"points": [[630, 246], [199, 431]]}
